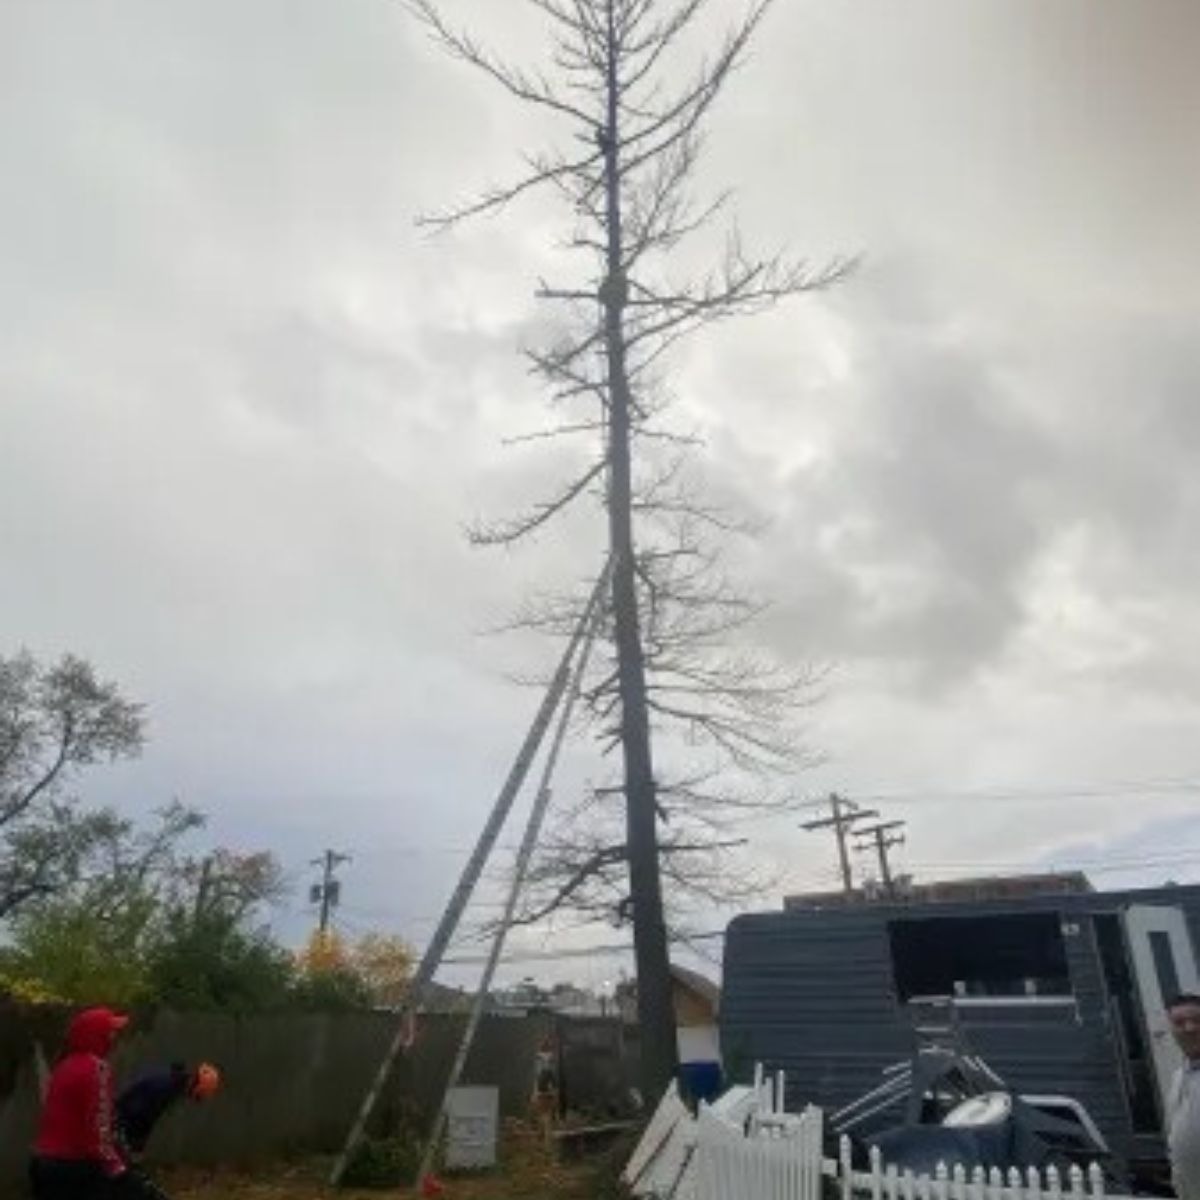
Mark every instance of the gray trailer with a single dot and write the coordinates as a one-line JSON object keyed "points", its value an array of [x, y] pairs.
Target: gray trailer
{"points": [[1061, 994]]}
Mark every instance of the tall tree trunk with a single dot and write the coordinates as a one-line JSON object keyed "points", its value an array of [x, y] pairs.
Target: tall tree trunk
{"points": [[627, 174], [656, 1016]]}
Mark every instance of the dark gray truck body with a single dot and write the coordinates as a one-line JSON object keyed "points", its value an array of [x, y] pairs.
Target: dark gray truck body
{"points": [[1058, 993]]}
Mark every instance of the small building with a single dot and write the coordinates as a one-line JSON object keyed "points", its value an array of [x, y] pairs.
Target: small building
{"points": [[697, 1002], [697, 1011], [562, 999], [1059, 988]]}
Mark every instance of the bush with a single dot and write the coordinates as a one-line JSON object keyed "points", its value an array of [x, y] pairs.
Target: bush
{"points": [[27, 991], [383, 1163], [604, 1176]]}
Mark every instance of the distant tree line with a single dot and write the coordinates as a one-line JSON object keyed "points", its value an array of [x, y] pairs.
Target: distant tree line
{"points": [[95, 907]]}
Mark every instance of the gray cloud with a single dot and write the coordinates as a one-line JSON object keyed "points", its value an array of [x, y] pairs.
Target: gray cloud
{"points": [[245, 410]]}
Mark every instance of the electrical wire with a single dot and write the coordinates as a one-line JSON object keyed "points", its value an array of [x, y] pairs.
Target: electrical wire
{"points": [[1064, 793]]}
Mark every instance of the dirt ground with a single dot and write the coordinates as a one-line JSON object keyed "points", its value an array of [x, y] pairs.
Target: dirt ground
{"points": [[527, 1173], [306, 1183]]}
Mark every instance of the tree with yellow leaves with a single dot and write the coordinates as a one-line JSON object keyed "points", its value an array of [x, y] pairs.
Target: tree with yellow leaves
{"points": [[384, 962], [375, 970], [325, 952]]}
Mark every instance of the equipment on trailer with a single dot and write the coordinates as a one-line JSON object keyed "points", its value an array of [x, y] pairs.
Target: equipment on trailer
{"points": [[946, 1107]]}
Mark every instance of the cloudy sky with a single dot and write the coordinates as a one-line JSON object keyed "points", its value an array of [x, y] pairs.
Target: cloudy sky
{"points": [[246, 410]]}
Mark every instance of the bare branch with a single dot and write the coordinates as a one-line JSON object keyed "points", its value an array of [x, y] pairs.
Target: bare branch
{"points": [[535, 91], [512, 531], [545, 171], [658, 41], [743, 287], [680, 119], [24, 799], [556, 431]]}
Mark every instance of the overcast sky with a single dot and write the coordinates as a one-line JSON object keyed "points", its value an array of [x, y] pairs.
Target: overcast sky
{"points": [[246, 410]]}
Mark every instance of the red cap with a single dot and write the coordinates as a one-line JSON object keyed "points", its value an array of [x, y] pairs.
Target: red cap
{"points": [[94, 1029]]}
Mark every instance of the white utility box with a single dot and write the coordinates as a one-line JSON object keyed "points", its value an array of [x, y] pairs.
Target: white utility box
{"points": [[472, 1128]]}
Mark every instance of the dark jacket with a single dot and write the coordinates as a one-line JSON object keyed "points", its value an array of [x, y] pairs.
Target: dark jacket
{"points": [[77, 1116], [143, 1102]]}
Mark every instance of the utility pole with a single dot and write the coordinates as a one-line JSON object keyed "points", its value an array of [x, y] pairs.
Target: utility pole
{"points": [[881, 839], [328, 892], [202, 887], [843, 814]]}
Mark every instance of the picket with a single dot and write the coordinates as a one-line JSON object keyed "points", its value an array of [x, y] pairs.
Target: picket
{"points": [[782, 1160], [885, 1182], [748, 1147]]}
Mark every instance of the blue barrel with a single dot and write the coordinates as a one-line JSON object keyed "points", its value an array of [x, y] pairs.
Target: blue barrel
{"points": [[700, 1081]]}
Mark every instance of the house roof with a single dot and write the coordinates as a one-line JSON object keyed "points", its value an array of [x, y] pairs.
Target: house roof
{"points": [[697, 983]]}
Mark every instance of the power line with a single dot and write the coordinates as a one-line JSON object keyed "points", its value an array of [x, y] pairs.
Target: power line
{"points": [[577, 951], [567, 954], [1117, 790], [1120, 789], [1096, 865]]}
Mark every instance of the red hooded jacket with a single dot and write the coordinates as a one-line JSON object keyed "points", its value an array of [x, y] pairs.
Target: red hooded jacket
{"points": [[77, 1116]]}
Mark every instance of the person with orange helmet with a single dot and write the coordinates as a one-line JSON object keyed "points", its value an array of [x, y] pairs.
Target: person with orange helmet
{"points": [[142, 1104]]}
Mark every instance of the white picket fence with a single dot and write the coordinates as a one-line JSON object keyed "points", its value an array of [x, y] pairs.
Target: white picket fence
{"points": [[882, 1182], [746, 1146], [779, 1160]]}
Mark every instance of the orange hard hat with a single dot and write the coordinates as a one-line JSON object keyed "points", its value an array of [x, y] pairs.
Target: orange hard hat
{"points": [[205, 1082]]}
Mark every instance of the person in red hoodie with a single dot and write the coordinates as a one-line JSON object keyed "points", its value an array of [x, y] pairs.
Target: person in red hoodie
{"points": [[75, 1156]]}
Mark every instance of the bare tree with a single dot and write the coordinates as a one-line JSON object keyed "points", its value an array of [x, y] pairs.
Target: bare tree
{"points": [[636, 120]]}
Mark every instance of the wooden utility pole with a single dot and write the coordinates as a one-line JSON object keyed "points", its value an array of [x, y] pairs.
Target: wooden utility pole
{"points": [[328, 892], [843, 814], [202, 886], [881, 839]]}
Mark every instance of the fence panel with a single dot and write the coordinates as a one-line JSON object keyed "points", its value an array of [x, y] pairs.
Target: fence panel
{"points": [[780, 1160], [882, 1182], [748, 1147]]}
